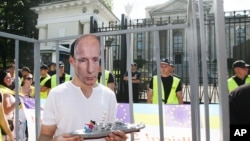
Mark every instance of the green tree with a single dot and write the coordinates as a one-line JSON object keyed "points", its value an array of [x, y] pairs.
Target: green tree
{"points": [[17, 18], [108, 4]]}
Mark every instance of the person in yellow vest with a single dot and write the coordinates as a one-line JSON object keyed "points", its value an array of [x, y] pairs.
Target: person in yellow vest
{"points": [[63, 77], [241, 76], [52, 68], [3, 123], [45, 81], [109, 78], [171, 86]]}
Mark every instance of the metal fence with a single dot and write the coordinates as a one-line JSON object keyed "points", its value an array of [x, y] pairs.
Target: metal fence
{"points": [[237, 28]]}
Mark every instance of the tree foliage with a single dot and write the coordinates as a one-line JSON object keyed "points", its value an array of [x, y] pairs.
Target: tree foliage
{"points": [[108, 4], [17, 18]]}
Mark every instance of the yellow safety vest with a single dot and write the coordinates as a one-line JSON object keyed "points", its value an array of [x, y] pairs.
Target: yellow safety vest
{"points": [[106, 78], [44, 94], [233, 85], [172, 98], [53, 79]]}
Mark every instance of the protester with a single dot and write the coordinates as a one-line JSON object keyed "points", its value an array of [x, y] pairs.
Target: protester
{"points": [[3, 123], [171, 86], [8, 100], [27, 90], [136, 79], [25, 71], [109, 78], [11, 70], [241, 76], [74, 103]]}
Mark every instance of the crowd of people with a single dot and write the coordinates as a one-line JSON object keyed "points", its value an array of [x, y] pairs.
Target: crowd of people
{"points": [[26, 89], [85, 91]]}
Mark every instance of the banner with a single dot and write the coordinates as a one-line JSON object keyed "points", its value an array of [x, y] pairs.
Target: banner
{"points": [[176, 120]]}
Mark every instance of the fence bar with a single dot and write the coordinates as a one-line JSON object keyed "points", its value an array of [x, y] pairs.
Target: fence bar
{"points": [[160, 104], [222, 66], [130, 86], [12, 36], [16, 91], [193, 71], [102, 60], [57, 64], [37, 88], [204, 68], [126, 31]]}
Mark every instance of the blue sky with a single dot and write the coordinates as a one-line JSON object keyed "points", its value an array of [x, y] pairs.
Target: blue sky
{"points": [[138, 10]]}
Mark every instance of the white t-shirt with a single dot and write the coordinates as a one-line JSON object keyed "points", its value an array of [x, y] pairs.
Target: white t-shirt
{"points": [[70, 110]]}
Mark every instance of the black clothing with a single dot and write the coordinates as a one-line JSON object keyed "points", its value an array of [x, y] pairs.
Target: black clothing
{"points": [[239, 105], [167, 85], [51, 73], [47, 83], [111, 78], [239, 81], [135, 88], [62, 79]]}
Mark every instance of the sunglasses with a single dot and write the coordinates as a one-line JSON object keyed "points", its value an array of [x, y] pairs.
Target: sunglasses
{"points": [[29, 78]]}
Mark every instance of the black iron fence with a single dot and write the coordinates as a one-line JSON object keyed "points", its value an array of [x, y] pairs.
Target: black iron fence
{"points": [[173, 46]]}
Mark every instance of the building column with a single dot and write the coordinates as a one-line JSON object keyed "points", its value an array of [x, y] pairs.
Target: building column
{"points": [[42, 33], [86, 27]]}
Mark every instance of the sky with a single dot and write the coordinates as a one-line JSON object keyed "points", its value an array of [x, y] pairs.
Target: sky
{"points": [[138, 10]]}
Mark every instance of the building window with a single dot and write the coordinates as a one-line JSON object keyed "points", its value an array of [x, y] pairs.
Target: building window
{"points": [[178, 58], [178, 47], [240, 34], [178, 42], [139, 45]]}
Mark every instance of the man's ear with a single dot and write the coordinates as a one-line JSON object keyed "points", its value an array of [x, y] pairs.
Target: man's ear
{"points": [[71, 60]]}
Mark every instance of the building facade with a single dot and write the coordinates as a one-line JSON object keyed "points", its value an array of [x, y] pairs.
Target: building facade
{"points": [[65, 18]]}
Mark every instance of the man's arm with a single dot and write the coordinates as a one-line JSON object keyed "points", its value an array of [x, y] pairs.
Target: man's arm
{"points": [[150, 96], [47, 132], [180, 97], [43, 88], [111, 86]]}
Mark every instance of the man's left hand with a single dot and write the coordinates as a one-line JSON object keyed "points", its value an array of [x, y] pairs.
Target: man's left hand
{"points": [[116, 136]]}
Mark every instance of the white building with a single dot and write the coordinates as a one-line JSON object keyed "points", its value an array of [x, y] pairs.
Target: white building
{"points": [[67, 18]]}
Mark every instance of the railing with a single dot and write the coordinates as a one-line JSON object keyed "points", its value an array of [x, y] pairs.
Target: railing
{"points": [[237, 24]]}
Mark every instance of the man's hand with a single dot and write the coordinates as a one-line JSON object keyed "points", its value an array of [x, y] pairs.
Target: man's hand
{"points": [[116, 136], [67, 137]]}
